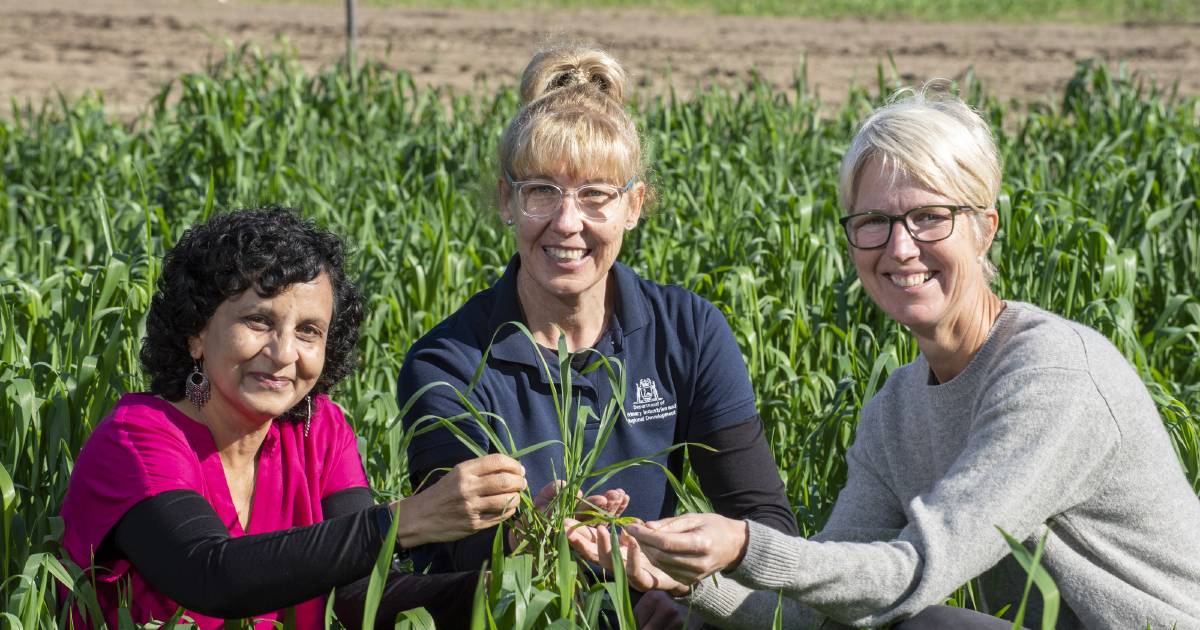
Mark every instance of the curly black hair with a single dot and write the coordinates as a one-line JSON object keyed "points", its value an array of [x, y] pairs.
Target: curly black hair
{"points": [[267, 249]]}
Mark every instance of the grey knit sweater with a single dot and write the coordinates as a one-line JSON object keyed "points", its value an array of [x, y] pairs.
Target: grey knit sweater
{"points": [[1047, 429]]}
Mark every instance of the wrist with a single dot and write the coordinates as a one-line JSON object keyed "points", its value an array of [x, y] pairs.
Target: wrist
{"points": [[384, 517], [740, 534], [409, 532]]}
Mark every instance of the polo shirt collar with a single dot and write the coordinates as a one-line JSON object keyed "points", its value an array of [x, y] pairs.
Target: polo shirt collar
{"points": [[632, 311], [511, 345]]}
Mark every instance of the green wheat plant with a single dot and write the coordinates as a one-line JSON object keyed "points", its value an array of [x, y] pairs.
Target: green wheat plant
{"points": [[543, 571]]}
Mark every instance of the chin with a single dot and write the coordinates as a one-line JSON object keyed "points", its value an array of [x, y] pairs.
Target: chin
{"points": [[915, 317], [267, 408], [566, 285], [566, 288]]}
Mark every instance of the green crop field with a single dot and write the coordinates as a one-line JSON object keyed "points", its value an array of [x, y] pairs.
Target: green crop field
{"points": [[1100, 217]]}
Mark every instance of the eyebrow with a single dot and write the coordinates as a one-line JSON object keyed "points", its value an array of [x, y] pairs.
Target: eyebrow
{"points": [[316, 320], [540, 177], [924, 205], [253, 309], [258, 309]]}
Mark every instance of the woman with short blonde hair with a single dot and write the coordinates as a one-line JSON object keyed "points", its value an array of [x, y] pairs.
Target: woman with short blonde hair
{"points": [[938, 141], [1011, 418]]}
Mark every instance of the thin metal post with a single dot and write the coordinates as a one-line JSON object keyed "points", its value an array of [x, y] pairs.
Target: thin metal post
{"points": [[350, 36]]}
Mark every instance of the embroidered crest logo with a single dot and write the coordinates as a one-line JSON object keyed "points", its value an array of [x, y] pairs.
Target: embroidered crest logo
{"points": [[649, 404], [647, 392]]}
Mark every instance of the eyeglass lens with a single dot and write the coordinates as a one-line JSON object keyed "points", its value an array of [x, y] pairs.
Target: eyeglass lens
{"points": [[542, 200], [873, 229]]}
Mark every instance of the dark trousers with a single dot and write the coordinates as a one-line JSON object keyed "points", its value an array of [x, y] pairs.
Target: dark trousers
{"points": [[949, 618]]}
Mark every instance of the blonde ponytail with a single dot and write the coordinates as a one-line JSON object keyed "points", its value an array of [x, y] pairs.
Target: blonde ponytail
{"points": [[569, 66]]}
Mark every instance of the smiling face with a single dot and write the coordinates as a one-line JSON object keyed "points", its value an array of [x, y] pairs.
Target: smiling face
{"points": [[924, 286], [566, 256], [263, 355]]}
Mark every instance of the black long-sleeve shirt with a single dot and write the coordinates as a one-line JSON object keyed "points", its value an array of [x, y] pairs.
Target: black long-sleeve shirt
{"points": [[181, 547]]}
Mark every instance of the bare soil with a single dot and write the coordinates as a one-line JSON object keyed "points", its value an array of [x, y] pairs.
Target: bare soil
{"points": [[127, 49]]}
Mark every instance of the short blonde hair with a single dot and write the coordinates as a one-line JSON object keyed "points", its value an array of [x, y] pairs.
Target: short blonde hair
{"points": [[573, 118], [935, 138]]}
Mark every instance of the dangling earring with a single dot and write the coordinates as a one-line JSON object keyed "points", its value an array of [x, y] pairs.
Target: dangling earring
{"points": [[308, 416], [196, 387], [509, 222]]}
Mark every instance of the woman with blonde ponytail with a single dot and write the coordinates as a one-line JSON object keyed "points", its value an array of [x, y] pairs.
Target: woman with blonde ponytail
{"points": [[571, 183]]}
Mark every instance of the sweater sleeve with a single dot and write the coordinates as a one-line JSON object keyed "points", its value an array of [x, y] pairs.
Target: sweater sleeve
{"points": [[727, 603], [1037, 445], [866, 511]]}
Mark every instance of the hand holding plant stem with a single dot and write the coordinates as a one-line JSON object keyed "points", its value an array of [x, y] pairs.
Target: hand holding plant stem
{"points": [[594, 544], [476, 494], [691, 547], [611, 504]]}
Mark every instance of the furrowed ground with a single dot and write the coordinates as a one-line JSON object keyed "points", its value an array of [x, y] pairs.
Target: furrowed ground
{"points": [[127, 48], [1100, 216]]}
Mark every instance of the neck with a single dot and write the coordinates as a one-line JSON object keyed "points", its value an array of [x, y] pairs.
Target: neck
{"points": [[237, 438], [949, 347], [581, 318]]}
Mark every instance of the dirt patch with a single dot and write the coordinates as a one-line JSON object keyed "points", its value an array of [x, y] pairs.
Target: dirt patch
{"points": [[126, 49]]}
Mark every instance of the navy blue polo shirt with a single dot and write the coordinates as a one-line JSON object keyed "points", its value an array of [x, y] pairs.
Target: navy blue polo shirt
{"points": [[684, 371]]}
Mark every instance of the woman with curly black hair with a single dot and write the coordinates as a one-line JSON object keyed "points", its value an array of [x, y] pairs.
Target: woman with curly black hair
{"points": [[234, 488]]}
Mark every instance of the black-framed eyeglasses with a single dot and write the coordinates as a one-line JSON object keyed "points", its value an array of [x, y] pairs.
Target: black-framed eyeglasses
{"points": [[541, 199], [872, 229]]}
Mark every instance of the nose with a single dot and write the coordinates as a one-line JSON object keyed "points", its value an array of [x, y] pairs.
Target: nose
{"points": [[901, 245], [282, 349], [569, 219]]}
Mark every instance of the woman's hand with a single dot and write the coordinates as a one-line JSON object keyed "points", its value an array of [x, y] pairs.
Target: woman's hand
{"points": [[692, 547], [613, 502], [476, 494], [594, 544]]}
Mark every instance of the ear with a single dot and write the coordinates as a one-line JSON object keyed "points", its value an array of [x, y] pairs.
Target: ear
{"points": [[504, 192], [196, 345], [991, 224], [637, 197]]}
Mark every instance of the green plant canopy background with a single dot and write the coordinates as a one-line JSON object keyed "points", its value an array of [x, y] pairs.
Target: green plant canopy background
{"points": [[1099, 212]]}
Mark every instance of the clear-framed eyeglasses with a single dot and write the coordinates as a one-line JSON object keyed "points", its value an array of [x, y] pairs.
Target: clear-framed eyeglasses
{"points": [[872, 229], [541, 199]]}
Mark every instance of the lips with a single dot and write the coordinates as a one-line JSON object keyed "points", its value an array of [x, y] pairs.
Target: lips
{"points": [[910, 280], [566, 254], [270, 381]]}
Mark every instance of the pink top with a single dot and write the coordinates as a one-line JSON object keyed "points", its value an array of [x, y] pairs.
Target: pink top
{"points": [[146, 446]]}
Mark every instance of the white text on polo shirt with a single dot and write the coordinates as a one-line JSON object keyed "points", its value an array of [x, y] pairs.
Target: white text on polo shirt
{"points": [[648, 404]]}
